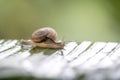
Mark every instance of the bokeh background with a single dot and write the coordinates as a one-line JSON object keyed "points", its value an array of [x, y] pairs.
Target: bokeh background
{"points": [[74, 20]]}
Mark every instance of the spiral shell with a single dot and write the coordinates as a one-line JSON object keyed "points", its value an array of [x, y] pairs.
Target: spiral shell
{"points": [[44, 34]]}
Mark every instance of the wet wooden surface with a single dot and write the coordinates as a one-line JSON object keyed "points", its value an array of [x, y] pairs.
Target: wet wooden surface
{"points": [[85, 61]]}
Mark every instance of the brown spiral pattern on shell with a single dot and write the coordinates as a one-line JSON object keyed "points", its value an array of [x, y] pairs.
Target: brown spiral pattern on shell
{"points": [[44, 34]]}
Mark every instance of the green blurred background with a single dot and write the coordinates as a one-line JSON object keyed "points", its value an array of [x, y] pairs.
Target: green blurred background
{"points": [[75, 20]]}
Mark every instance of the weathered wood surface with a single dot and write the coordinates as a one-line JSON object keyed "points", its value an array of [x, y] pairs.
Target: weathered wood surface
{"points": [[86, 61]]}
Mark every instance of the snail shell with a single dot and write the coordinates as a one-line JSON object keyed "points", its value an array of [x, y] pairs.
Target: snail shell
{"points": [[44, 34]]}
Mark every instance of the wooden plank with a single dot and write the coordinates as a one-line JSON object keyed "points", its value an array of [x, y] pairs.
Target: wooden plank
{"points": [[115, 55], [52, 66], [32, 63], [71, 71], [78, 50], [15, 59], [68, 48], [8, 44], [108, 61], [1, 41], [92, 63], [68, 63], [111, 60], [9, 52], [95, 48]]}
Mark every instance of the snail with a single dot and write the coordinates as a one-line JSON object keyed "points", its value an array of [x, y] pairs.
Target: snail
{"points": [[44, 38]]}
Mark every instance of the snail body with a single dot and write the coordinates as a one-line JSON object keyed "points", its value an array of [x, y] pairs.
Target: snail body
{"points": [[45, 38]]}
